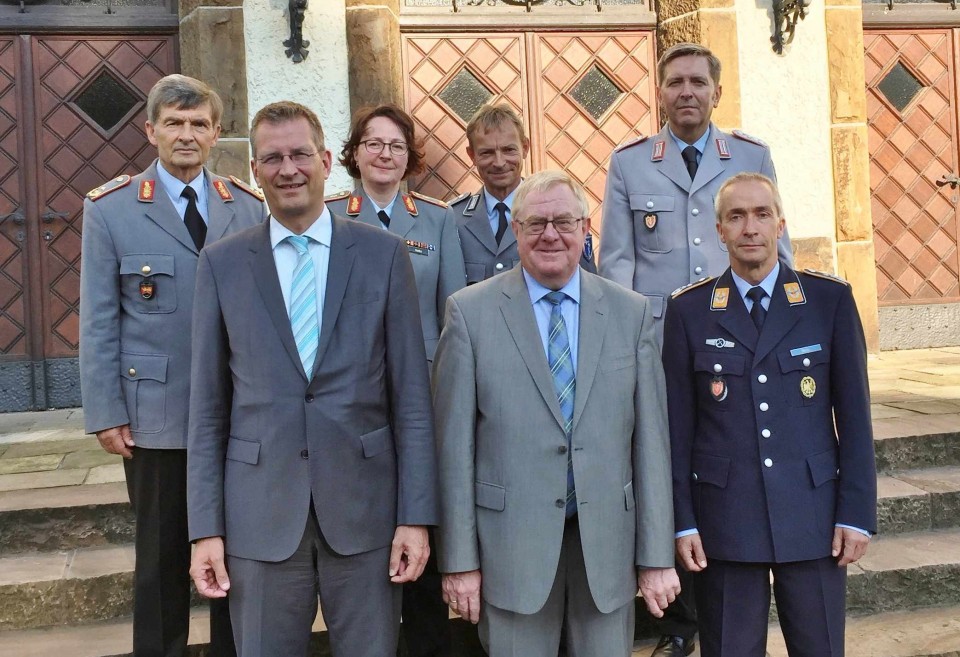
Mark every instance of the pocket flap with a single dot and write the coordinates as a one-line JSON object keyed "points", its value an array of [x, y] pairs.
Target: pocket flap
{"points": [[704, 361], [490, 496], [790, 363], [618, 362], [656, 304], [651, 202], [135, 367], [245, 451], [708, 469], [377, 441], [476, 272], [823, 467], [135, 264], [628, 499]]}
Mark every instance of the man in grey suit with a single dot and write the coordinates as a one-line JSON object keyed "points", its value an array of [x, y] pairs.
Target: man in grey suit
{"points": [[141, 239], [658, 220], [312, 461], [552, 437], [497, 146]]}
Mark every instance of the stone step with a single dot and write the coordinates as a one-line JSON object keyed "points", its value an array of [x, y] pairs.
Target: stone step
{"points": [[918, 500], [907, 443]]}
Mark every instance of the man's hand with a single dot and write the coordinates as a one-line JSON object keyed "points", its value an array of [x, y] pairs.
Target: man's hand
{"points": [[207, 568], [690, 553], [409, 553], [117, 440], [849, 545], [462, 592], [659, 587]]}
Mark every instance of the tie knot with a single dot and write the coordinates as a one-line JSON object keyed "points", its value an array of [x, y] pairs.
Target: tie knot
{"points": [[501, 207], [300, 242], [556, 297], [756, 294], [689, 154], [189, 193]]}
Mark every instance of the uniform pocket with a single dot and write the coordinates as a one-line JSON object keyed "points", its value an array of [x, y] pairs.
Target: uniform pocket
{"points": [[245, 451], [145, 391], [652, 216], [490, 496], [147, 282]]}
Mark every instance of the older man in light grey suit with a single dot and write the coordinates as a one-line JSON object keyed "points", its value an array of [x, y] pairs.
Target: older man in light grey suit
{"points": [[141, 240], [311, 446], [552, 435]]}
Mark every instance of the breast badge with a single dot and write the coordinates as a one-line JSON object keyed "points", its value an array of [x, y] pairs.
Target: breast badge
{"points": [[808, 387], [650, 220], [718, 388], [147, 288]]}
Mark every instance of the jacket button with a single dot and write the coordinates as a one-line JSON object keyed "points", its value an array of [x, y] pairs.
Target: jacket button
{"points": [[696, 241], [765, 433], [806, 362], [764, 406], [499, 266], [560, 504], [768, 462], [762, 378], [304, 454], [132, 372], [698, 271], [562, 449], [308, 398], [145, 270], [695, 212], [695, 477]]}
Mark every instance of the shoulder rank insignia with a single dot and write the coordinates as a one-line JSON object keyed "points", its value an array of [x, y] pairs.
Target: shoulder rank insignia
{"points": [[722, 149], [825, 275], [659, 149], [721, 296], [794, 293], [147, 189], [428, 199], [252, 191], [690, 286], [460, 199], [354, 205], [409, 205], [631, 142], [740, 134], [339, 196], [222, 190], [107, 187]]}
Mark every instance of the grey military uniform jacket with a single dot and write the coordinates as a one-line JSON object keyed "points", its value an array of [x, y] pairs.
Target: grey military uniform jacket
{"points": [[428, 228], [138, 267], [659, 227]]}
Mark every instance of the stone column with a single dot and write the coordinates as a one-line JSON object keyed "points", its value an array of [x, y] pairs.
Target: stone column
{"points": [[373, 44], [851, 159], [212, 49]]}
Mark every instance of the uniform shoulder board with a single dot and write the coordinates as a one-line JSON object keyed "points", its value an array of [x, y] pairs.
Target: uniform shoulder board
{"points": [[338, 196], [690, 286], [825, 275], [252, 191], [631, 142], [107, 187], [740, 134], [460, 199], [428, 199]]}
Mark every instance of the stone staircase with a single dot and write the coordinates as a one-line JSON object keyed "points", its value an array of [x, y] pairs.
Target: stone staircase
{"points": [[66, 531]]}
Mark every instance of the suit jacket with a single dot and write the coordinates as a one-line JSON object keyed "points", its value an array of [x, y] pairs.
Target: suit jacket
{"points": [[357, 438], [135, 351], [771, 434], [429, 230], [481, 255], [678, 244], [502, 444]]}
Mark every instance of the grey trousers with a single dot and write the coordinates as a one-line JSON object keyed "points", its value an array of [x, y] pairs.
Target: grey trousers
{"points": [[590, 633], [273, 605]]}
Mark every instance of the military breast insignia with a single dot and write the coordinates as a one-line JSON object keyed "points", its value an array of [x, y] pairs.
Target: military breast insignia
{"points": [[420, 248], [252, 191], [409, 205], [222, 190], [794, 293], [107, 187], [718, 388], [720, 343], [650, 220], [722, 149], [353, 205], [147, 189], [808, 387], [721, 296], [147, 288], [659, 149]]}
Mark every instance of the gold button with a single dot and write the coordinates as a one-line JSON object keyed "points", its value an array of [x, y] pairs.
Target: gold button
{"points": [[132, 372], [145, 269]]}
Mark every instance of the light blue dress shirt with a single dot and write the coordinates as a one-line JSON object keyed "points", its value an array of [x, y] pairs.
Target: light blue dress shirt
{"points": [[387, 208], [492, 215], [569, 308], [174, 187], [285, 256], [700, 144]]}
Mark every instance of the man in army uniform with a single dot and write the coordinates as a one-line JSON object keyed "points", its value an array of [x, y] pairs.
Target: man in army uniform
{"points": [[141, 240], [658, 220], [498, 145]]}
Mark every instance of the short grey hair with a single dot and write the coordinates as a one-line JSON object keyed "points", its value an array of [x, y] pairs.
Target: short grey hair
{"points": [[182, 92], [688, 50], [543, 181], [747, 176]]}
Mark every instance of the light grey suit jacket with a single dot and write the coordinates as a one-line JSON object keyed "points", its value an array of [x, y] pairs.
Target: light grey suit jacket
{"points": [[357, 437], [682, 245], [501, 444], [431, 238], [135, 352]]}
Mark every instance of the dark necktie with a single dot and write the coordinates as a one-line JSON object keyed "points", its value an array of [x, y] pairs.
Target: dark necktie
{"points": [[758, 313], [194, 222], [690, 159], [501, 209], [384, 218]]}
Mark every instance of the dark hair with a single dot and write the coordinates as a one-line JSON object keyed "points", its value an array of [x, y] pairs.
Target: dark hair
{"points": [[686, 50], [281, 112], [362, 118], [182, 92]]}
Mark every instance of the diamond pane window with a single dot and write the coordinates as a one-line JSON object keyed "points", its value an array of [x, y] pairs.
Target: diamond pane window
{"points": [[106, 100], [465, 94], [596, 92], [900, 86]]}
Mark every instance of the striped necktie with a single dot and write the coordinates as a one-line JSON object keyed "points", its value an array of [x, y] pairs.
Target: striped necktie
{"points": [[303, 304], [564, 382]]}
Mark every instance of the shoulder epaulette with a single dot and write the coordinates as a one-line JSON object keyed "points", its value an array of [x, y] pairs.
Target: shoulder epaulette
{"points": [[739, 134], [460, 199], [428, 199], [107, 187], [338, 196], [690, 286], [825, 275], [252, 191], [631, 142]]}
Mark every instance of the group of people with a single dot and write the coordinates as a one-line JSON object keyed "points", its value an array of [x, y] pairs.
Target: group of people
{"points": [[383, 405]]}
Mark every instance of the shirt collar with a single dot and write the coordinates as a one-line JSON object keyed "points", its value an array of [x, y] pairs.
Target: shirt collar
{"points": [[492, 201], [320, 230], [537, 291], [767, 283], [173, 186], [700, 144], [388, 208]]}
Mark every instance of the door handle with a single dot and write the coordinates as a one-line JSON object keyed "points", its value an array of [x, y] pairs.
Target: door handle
{"points": [[49, 216], [16, 217], [949, 179]]}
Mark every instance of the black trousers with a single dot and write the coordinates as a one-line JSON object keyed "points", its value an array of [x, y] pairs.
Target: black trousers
{"points": [[425, 630], [157, 486]]}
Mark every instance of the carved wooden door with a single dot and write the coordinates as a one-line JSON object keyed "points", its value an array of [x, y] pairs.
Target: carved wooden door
{"points": [[579, 94], [912, 119]]}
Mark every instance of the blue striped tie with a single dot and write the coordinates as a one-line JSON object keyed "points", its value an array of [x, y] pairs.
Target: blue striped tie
{"points": [[303, 304], [565, 383]]}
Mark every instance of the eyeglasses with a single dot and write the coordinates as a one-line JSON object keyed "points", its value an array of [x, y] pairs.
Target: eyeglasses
{"points": [[561, 224], [275, 160], [375, 147]]}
